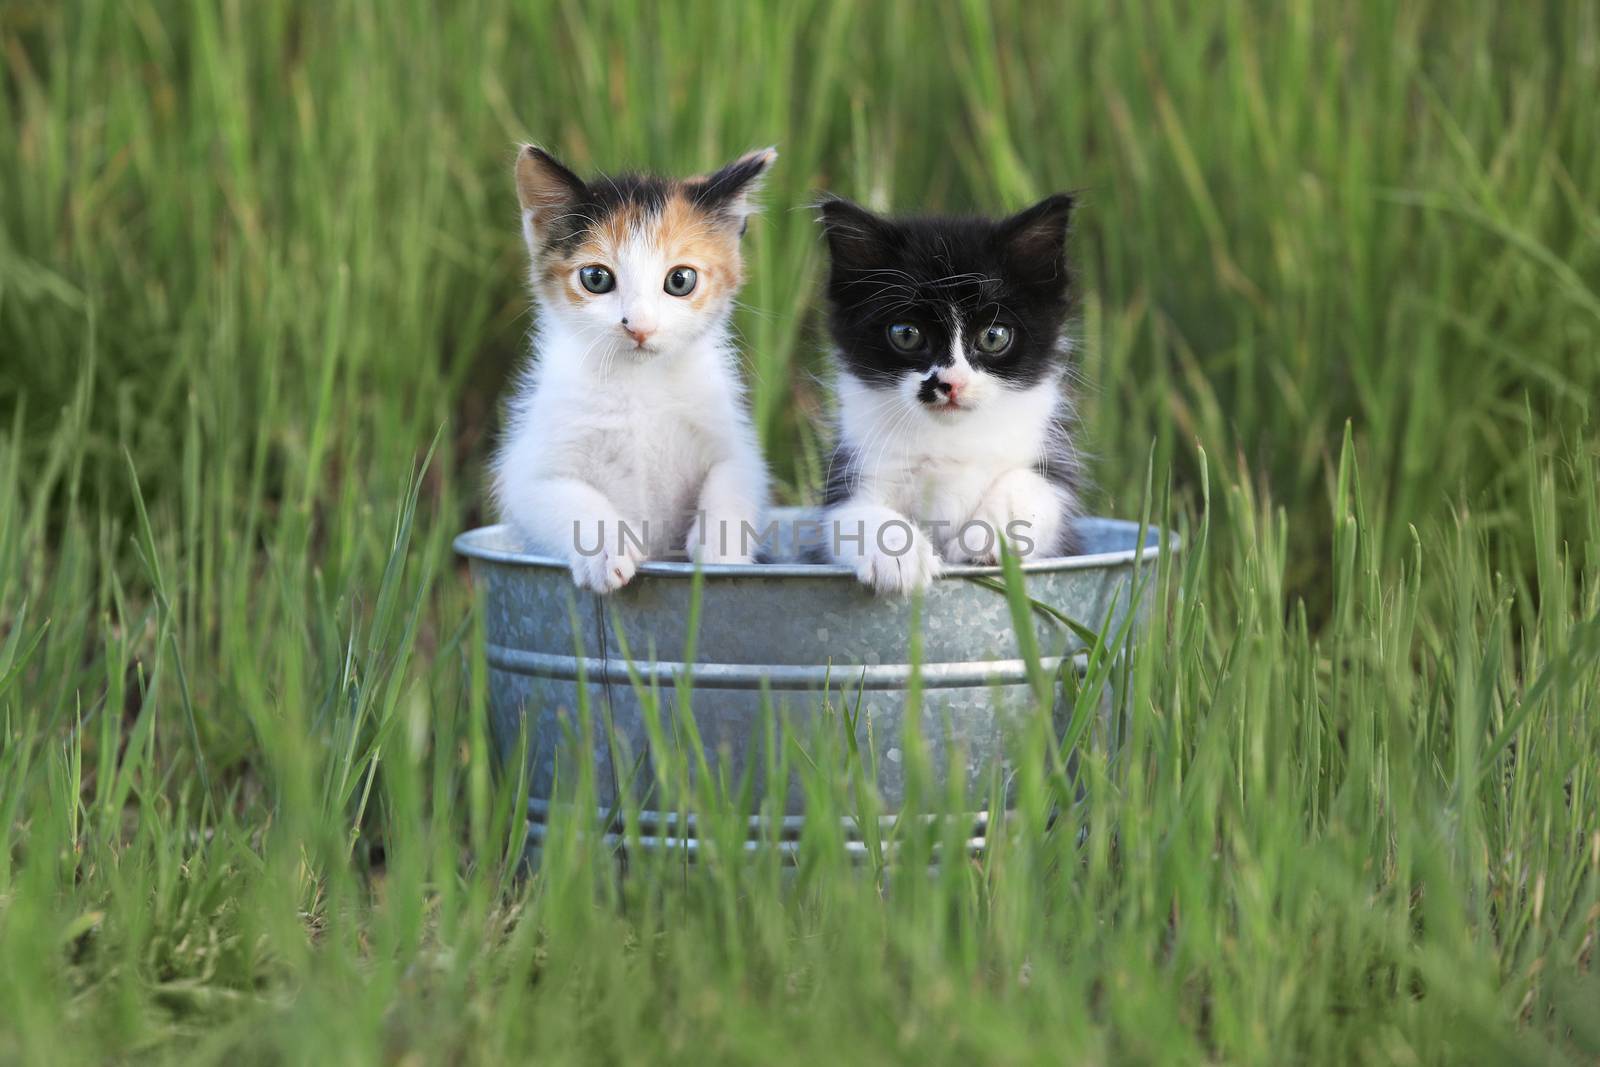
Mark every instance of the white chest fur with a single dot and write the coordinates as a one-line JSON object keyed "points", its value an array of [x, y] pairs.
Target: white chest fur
{"points": [[619, 440], [930, 487], [936, 467]]}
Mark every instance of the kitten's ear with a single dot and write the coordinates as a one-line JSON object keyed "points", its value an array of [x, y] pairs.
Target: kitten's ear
{"points": [[730, 192], [1038, 235], [545, 187], [857, 239]]}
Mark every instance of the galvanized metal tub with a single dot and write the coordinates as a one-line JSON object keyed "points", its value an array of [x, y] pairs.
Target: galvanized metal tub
{"points": [[777, 637]]}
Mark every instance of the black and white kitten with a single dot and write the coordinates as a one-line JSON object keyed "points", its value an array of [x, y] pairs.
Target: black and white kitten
{"points": [[954, 412]]}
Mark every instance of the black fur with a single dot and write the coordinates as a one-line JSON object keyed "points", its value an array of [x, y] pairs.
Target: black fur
{"points": [[932, 389], [718, 192], [601, 197], [1013, 272]]}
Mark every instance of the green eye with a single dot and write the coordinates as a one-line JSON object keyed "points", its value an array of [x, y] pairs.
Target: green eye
{"points": [[681, 281], [995, 340], [597, 279], [905, 337]]}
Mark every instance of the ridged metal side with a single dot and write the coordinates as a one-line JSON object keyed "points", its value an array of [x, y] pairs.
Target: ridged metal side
{"points": [[786, 636]]}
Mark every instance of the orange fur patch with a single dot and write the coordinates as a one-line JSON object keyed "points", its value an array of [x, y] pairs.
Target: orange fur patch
{"points": [[709, 245], [686, 236]]}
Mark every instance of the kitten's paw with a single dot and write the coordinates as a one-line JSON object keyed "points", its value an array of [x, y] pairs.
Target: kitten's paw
{"points": [[606, 571], [1016, 512], [897, 575], [977, 542], [716, 541]]}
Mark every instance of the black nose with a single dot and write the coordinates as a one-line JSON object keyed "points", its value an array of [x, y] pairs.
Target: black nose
{"points": [[624, 320]]}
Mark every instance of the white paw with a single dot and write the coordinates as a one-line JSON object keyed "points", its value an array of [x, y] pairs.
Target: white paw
{"points": [[716, 541], [977, 541], [1013, 513], [890, 574], [607, 570]]}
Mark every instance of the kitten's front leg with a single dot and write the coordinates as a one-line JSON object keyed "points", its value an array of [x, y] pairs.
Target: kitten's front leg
{"points": [[1022, 508], [577, 522], [731, 502], [889, 553]]}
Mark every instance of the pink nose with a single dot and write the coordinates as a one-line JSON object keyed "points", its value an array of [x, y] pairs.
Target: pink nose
{"points": [[951, 384], [639, 335]]}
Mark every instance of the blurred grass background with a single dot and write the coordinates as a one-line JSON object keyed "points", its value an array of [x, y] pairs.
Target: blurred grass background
{"points": [[253, 257]]}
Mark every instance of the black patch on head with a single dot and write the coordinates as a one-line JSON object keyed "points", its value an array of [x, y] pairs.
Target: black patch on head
{"points": [[599, 199], [568, 207], [930, 272]]}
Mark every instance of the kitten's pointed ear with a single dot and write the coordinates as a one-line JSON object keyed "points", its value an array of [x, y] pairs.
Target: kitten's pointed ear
{"points": [[1037, 235], [730, 192], [545, 187], [857, 239]]}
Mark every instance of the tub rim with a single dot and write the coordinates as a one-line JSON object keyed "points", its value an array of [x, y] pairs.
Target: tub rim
{"points": [[469, 544]]}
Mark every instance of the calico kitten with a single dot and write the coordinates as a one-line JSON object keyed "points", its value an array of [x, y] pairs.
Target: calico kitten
{"points": [[628, 436], [954, 412]]}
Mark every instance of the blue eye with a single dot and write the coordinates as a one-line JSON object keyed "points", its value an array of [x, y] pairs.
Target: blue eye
{"points": [[680, 281], [597, 279], [905, 337], [995, 340]]}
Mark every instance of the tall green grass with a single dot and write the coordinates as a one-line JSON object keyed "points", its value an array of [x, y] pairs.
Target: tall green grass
{"points": [[255, 258]]}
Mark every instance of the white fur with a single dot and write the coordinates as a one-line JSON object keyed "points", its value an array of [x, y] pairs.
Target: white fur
{"points": [[605, 435], [941, 470]]}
